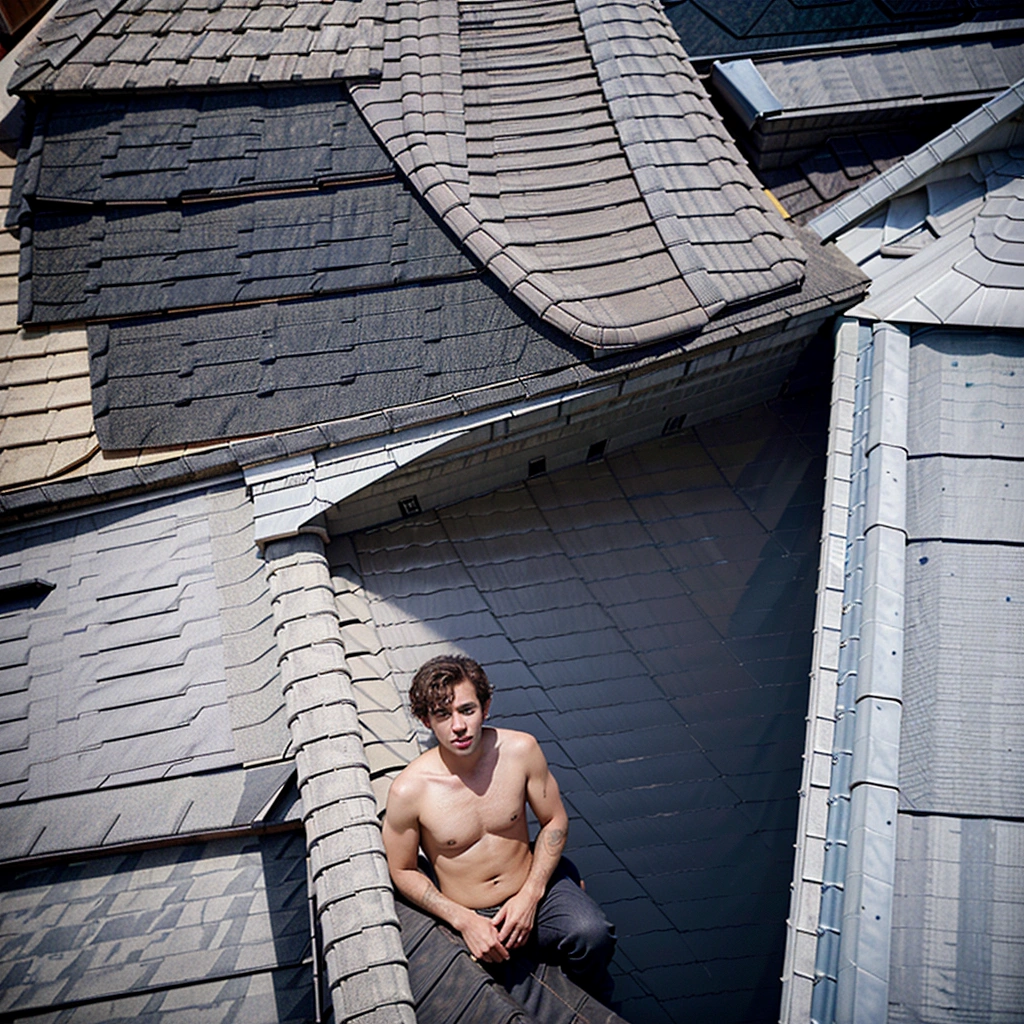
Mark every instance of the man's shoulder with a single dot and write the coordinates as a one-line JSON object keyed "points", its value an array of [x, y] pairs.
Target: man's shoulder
{"points": [[412, 777], [515, 742]]}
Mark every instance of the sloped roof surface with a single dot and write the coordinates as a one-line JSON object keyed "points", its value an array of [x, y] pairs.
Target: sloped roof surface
{"points": [[152, 615], [639, 225], [274, 366], [973, 275], [722, 27], [594, 230], [117, 264], [957, 940], [155, 44], [808, 187], [938, 70], [220, 927], [669, 586], [939, 232], [121, 149], [994, 125]]}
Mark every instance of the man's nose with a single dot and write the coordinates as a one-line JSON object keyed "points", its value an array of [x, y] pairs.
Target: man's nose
{"points": [[458, 722]]}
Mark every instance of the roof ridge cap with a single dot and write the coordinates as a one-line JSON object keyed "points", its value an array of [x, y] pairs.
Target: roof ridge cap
{"points": [[907, 173]]}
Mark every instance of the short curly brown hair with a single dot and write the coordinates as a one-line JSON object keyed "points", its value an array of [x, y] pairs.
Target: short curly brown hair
{"points": [[433, 685]]}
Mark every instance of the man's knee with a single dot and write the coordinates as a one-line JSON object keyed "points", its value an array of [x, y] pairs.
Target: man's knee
{"points": [[591, 938]]}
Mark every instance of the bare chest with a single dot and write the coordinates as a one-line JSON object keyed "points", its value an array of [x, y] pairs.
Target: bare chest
{"points": [[457, 816]]}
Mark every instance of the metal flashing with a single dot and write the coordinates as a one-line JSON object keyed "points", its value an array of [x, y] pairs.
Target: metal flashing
{"points": [[741, 85], [852, 963], [290, 494]]}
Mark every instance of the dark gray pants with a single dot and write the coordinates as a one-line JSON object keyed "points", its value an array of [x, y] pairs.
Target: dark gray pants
{"points": [[570, 930]]}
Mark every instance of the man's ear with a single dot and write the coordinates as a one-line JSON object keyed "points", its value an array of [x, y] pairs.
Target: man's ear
{"points": [[487, 707]]}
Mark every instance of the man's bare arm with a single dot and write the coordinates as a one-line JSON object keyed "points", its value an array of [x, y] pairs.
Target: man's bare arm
{"points": [[401, 844], [516, 917]]}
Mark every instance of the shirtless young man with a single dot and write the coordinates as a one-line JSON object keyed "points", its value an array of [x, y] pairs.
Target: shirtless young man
{"points": [[464, 802]]}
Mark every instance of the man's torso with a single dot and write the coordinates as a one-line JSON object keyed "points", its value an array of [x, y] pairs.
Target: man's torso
{"points": [[473, 829]]}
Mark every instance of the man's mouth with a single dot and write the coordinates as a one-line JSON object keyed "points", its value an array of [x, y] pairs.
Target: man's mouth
{"points": [[462, 742]]}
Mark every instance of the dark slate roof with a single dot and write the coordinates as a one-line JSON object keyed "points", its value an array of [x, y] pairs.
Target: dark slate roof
{"points": [[670, 586], [124, 45], [845, 162], [307, 203], [117, 263], [718, 28], [125, 149], [180, 932], [273, 366], [449, 987]]}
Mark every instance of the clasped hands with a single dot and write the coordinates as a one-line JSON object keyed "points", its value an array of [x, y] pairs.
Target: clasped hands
{"points": [[492, 939]]}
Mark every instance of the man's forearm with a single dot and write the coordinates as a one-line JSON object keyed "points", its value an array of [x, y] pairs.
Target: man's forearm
{"points": [[547, 852], [415, 886]]}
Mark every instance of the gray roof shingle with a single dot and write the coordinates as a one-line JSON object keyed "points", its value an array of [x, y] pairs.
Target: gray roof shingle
{"points": [[166, 928], [508, 76], [644, 585], [105, 45]]}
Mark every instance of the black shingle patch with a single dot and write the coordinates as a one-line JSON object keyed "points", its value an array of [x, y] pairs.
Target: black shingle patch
{"points": [[711, 28], [111, 44], [162, 147], [130, 261], [332, 358]]}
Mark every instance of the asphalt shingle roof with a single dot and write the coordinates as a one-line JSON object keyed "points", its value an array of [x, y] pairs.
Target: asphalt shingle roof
{"points": [[130, 149], [472, 106], [219, 927], [719, 28], [125, 45]]}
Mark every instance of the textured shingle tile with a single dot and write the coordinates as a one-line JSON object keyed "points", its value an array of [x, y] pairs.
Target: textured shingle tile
{"points": [[350, 43], [674, 799], [123, 924]]}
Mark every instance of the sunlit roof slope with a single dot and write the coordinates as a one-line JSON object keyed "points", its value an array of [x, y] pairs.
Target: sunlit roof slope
{"points": [[569, 148]]}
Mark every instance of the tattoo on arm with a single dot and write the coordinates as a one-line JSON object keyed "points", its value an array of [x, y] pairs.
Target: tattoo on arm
{"points": [[554, 840]]}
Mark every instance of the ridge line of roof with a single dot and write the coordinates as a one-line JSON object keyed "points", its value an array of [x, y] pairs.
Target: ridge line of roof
{"points": [[905, 174]]}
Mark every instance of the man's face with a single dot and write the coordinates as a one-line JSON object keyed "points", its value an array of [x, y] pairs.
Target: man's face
{"points": [[459, 727]]}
